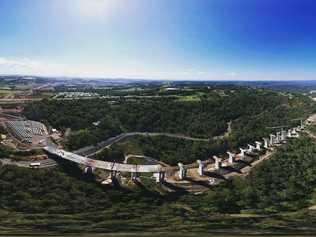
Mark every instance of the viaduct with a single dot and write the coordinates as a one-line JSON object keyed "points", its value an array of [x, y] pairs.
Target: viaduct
{"points": [[159, 172]]}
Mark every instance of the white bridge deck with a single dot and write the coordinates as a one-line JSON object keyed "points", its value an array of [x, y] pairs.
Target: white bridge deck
{"points": [[111, 166]]}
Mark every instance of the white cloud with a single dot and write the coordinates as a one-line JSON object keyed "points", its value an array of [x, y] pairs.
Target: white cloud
{"points": [[30, 66], [19, 63]]}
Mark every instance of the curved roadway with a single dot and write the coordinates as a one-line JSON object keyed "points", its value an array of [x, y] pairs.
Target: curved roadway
{"points": [[112, 166], [92, 150]]}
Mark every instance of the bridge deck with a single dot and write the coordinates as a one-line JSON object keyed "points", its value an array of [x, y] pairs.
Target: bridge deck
{"points": [[111, 166]]}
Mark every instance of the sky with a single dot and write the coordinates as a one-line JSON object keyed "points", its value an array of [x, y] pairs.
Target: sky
{"points": [[160, 39]]}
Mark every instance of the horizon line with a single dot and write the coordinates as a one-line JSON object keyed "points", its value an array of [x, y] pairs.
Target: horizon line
{"points": [[153, 79]]}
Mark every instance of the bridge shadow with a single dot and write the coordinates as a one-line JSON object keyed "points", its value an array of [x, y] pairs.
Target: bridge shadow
{"points": [[74, 171], [174, 188], [252, 155], [199, 182], [232, 169], [244, 163], [214, 175], [117, 185], [145, 190], [140, 184]]}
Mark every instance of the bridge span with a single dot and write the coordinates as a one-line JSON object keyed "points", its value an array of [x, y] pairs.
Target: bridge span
{"points": [[110, 166], [159, 171]]}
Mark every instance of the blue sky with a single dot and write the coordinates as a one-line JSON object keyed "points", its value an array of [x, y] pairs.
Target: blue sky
{"points": [[160, 39]]}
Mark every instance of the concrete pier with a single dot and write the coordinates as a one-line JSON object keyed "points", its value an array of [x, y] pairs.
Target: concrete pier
{"points": [[182, 171], [272, 139], [201, 167], [242, 152], [302, 126], [278, 137], [113, 174], [134, 176], [218, 162], [283, 135], [231, 157], [258, 146], [159, 177], [251, 148], [89, 170], [266, 143], [294, 133]]}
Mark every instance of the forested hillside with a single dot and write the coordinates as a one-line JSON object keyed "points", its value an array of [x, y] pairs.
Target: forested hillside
{"points": [[169, 150], [286, 182], [63, 200], [250, 110]]}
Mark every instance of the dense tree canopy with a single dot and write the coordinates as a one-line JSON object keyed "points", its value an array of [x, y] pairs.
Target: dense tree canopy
{"points": [[172, 150], [286, 182]]}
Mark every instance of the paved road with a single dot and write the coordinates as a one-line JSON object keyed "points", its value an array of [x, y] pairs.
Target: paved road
{"points": [[18, 101], [47, 163], [118, 97], [149, 160], [111, 166], [92, 150]]}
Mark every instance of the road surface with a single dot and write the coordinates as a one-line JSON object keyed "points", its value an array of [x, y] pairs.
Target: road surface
{"points": [[111, 166], [92, 150], [47, 163]]}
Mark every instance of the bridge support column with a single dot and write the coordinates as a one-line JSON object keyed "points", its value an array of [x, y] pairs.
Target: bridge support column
{"points": [[201, 167], [242, 152], [266, 143], [258, 146], [272, 139], [279, 137], [218, 162], [134, 176], [160, 177], [298, 130], [182, 171], [89, 170], [231, 157], [294, 133], [251, 148], [302, 125], [283, 136], [113, 174]]}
